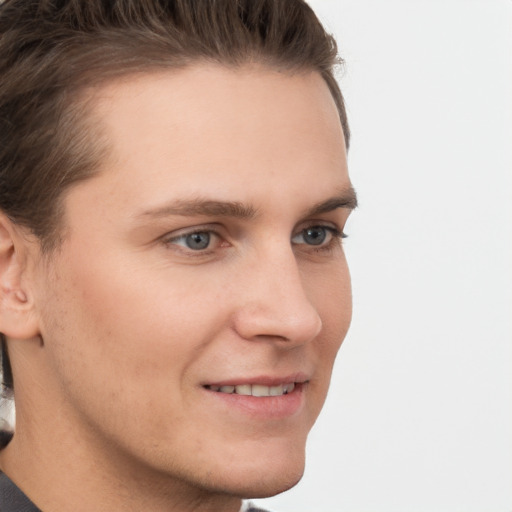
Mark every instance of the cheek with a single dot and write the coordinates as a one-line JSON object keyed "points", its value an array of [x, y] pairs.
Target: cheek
{"points": [[331, 294], [123, 346], [131, 330]]}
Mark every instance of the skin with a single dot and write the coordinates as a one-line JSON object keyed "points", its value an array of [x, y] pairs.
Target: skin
{"points": [[114, 337]]}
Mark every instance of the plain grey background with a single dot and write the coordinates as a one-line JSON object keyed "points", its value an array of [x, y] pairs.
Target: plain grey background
{"points": [[419, 417]]}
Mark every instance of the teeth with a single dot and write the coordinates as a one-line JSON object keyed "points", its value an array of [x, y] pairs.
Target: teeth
{"points": [[289, 388], [276, 390], [243, 389], [258, 390]]}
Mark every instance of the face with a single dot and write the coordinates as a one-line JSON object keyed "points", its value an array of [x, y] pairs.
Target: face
{"points": [[193, 313]]}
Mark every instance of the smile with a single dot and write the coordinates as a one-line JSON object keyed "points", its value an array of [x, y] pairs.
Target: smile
{"points": [[258, 390]]}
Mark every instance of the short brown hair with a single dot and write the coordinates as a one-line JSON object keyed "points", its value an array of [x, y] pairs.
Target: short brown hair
{"points": [[52, 50]]}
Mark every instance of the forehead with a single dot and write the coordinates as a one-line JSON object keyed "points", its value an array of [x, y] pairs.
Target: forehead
{"points": [[233, 87], [214, 128]]}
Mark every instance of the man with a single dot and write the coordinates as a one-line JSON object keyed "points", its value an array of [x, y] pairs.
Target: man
{"points": [[174, 191]]}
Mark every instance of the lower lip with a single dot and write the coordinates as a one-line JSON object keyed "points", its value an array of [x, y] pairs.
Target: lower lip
{"points": [[265, 407]]}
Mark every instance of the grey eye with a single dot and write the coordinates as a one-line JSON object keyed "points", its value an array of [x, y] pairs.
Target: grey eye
{"points": [[197, 241], [315, 235]]}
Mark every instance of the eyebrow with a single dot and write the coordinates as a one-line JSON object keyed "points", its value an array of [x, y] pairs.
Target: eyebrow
{"points": [[208, 207], [346, 198]]}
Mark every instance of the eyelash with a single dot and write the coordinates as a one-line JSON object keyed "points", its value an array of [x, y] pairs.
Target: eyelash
{"points": [[333, 237], [336, 236]]}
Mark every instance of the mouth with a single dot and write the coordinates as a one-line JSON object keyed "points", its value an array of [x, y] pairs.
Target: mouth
{"points": [[262, 398], [256, 390]]}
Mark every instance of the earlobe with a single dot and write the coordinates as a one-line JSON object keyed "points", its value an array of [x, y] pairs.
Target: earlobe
{"points": [[17, 315]]}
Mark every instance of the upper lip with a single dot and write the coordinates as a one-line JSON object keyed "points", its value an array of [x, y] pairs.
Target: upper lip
{"points": [[264, 380]]}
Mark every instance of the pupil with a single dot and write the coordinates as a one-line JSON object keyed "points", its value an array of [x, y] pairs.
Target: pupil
{"points": [[315, 236], [198, 240]]}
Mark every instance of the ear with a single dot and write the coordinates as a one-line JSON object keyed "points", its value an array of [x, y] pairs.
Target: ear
{"points": [[17, 313]]}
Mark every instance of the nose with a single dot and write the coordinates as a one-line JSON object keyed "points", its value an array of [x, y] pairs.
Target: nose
{"points": [[273, 303]]}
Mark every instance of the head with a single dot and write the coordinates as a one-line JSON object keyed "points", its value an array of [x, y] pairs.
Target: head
{"points": [[173, 184]]}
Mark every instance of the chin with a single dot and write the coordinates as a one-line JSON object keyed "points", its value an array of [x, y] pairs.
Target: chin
{"points": [[261, 485], [264, 489], [266, 476]]}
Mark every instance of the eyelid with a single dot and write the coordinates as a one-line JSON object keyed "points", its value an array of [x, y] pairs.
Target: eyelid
{"points": [[172, 237], [195, 228], [333, 239], [333, 227]]}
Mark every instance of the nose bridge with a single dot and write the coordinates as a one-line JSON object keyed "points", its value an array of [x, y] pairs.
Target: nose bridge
{"points": [[276, 304]]}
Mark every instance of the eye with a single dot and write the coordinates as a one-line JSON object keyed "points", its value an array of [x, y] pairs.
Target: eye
{"points": [[196, 241], [317, 236]]}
